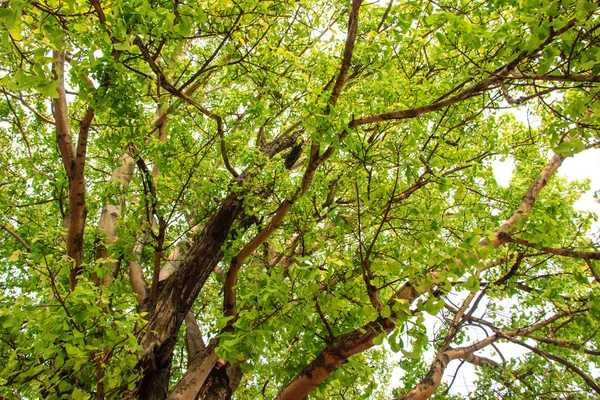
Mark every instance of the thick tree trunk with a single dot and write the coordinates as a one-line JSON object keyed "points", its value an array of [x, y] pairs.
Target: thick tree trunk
{"points": [[177, 293], [222, 382], [159, 387], [176, 297]]}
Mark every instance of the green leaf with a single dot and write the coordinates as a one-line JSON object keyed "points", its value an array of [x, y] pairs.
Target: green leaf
{"points": [[433, 306], [386, 312], [121, 46], [64, 386], [472, 284], [79, 394], [377, 340], [49, 89], [222, 322], [569, 148], [14, 256]]}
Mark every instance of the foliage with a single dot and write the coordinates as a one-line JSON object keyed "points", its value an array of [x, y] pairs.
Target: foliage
{"points": [[291, 196]]}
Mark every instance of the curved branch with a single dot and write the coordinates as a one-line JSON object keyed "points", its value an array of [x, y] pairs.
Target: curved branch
{"points": [[586, 378], [358, 340], [586, 255], [528, 200], [16, 236], [482, 86]]}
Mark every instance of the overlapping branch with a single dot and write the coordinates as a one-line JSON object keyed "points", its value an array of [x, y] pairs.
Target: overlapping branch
{"points": [[358, 340]]}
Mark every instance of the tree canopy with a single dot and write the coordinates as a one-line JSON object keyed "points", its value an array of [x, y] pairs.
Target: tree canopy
{"points": [[282, 199]]}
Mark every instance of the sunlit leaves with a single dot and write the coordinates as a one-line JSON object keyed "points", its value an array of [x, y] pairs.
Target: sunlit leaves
{"points": [[401, 203]]}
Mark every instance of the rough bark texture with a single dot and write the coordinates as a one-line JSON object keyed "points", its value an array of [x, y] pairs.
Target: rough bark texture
{"points": [[179, 290], [175, 299], [222, 382]]}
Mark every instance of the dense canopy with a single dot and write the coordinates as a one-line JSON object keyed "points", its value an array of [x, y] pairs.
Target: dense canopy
{"points": [[281, 199]]}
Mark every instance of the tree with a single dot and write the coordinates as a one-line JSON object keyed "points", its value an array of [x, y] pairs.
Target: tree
{"points": [[270, 198]]}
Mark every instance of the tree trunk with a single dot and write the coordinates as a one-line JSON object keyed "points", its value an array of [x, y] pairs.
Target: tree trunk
{"points": [[177, 296], [222, 382]]}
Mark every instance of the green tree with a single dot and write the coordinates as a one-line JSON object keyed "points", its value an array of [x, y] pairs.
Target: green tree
{"points": [[266, 199]]}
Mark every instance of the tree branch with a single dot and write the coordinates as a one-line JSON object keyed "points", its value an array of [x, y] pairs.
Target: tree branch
{"points": [[586, 255], [348, 50], [586, 378], [486, 84], [528, 200], [16, 236], [334, 354], [194, 343], [74, 164]]}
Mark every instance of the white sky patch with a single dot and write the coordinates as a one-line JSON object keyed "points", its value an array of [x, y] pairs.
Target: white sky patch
{"points": [[503, 171], [585, 165]]}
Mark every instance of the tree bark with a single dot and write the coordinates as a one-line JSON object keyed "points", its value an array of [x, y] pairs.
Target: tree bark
{"points": [[176, 298], [222, 382], [73, 160], [107, 233]]}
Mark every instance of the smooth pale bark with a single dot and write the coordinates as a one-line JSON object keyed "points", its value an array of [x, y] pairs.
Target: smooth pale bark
{"points": [[73, 159], [121, 176], [177, 255], [136, 271], [528, 200], [107, 233], [195, 376], [431, 381], [194, 344]]}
